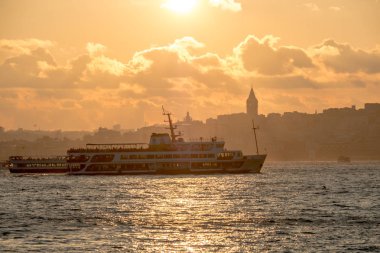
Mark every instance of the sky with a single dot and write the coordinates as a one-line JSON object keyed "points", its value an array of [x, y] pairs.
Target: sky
{"points": [[78, 65]]}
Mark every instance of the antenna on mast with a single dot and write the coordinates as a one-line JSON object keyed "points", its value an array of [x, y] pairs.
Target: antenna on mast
{"points": [[171, 126], [254, 132]]}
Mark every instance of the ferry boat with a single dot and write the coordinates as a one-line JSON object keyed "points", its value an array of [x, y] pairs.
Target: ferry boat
{"points": [[21, 164], [164, 154]]}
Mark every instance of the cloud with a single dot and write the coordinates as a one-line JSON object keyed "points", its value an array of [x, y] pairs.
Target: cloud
{"points": [[208, 61], [312, 6], [335, 8], [106, 65], [94, 89], [94, 49], [179, 51], [37, 68], [179, 62], [26, 68], [24, 46], [343, 58], [230, 5], [281, 99], [261, 55], [134, 88], [184, 44], [286, 82]]}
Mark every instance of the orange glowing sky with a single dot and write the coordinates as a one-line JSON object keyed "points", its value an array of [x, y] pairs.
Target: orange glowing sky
{"points": [[68, 64]]}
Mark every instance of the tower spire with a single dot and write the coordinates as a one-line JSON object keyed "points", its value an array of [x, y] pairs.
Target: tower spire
{"points": [[252, 104]]}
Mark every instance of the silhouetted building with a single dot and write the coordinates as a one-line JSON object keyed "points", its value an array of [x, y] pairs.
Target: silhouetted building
{"points": [[188, 118], [252, 104], [372, 107]]}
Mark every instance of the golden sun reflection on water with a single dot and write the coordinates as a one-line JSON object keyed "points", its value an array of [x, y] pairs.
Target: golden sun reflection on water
{"points": [[188, 213]]}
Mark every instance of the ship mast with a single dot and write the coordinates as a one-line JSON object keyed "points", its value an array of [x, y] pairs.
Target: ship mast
{"points": [[171, 126], [254, 132]]}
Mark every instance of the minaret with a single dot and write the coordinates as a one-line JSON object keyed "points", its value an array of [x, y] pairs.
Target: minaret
{"points": [[252, 104]]}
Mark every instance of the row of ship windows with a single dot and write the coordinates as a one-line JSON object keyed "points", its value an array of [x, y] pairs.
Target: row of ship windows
{"points": [[117, 167], [193, 165], [48, 165], [145, 166], [199, 146], [108, 167], [166, 156]]}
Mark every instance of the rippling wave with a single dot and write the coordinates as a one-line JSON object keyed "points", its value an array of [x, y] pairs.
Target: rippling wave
{"points": [[288, 207]]}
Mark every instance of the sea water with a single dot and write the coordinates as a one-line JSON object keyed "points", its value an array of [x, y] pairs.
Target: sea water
{"points": [[289, 207]]}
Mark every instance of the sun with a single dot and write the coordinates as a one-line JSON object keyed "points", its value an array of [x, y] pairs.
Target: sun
{"points": [[180, 6]]}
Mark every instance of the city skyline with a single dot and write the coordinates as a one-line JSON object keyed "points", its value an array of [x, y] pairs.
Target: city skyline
{"points": [[79, 65]]}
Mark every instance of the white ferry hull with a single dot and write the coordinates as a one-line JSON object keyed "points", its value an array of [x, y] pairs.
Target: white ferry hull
{"points": [[250, 164], [19, 164]]}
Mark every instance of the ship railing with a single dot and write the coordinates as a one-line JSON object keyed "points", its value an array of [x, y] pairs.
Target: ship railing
{"points": [[39, 158], [211, 139], [113, 147]]}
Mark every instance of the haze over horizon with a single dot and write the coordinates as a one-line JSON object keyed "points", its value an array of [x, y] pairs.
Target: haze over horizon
{"points": [[83, 64]]}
